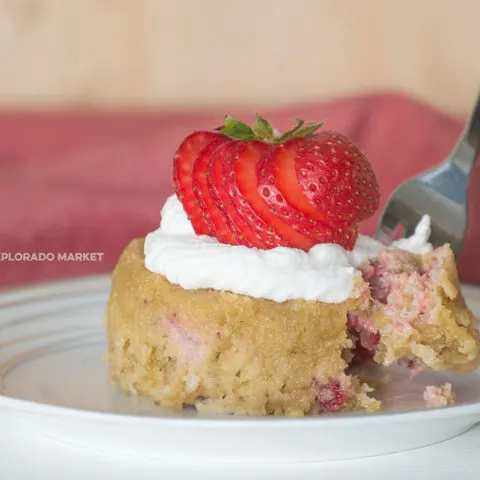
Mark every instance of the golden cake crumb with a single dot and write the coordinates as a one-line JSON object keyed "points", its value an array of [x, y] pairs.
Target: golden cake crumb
{"points": [[439, 396]]}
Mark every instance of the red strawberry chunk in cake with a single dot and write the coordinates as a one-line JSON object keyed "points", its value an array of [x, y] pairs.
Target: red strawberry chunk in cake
{"points": [[187, 346], [366, 334], [330, 396]]}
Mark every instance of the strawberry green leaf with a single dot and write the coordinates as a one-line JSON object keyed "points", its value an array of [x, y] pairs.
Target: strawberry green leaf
{"points": [[263, 129], [308, 130], [291, 133], [236, 129]]}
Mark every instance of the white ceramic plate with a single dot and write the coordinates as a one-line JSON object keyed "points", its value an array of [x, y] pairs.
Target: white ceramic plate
{"points": [[53, 382]]}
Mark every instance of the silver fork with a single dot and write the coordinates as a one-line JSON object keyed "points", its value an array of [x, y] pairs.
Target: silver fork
{"points": [[440, 193]]}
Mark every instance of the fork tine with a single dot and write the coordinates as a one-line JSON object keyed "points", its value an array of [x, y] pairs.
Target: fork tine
{"points": [[386, 228]]}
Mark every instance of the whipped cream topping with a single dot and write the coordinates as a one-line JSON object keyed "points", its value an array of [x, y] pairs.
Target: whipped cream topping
{"points": [[325, 273], [418, 242]]}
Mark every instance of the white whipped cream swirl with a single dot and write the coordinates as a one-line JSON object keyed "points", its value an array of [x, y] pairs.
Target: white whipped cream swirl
{"points": [[325, 273]]}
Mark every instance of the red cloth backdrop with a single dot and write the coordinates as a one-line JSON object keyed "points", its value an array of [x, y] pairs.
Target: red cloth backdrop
{"points": [[90, 182]]}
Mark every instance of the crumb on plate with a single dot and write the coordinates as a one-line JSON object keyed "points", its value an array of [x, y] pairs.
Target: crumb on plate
{"points": [[439, 395]]}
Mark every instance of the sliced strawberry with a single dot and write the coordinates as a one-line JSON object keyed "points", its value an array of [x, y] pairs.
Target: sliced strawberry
{"points": [[184, 160], [246, 173], [341, 234], [349, 234], [265, 235], [307, 223], [213, 216], [219, 191], [251, 187], [278, 183]]}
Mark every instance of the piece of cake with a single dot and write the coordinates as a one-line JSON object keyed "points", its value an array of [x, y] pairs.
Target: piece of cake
{"points": [[256, 294], [436, 396], [419, 316], [227, 352]]}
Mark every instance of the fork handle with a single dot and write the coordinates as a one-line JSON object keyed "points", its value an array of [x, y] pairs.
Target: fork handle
{"points": [[468, 148]]}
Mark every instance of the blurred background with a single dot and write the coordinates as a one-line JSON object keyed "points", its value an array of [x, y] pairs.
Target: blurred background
{"points": [[96, 95], [184, 53]]}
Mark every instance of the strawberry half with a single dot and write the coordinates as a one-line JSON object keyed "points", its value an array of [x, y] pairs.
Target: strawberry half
{"points": [[246, 173], [184, 160]]}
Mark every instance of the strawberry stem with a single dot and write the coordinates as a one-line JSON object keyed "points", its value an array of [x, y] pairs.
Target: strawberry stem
{"points": [[263, 131]]}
